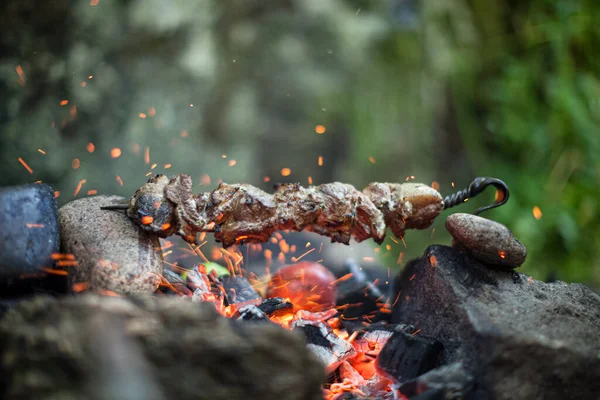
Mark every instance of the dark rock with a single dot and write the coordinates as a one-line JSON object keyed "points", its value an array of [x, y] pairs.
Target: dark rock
{"points": [[192, 352], [407, 356], [174, 284], [520, 338], [113, 253], [276, 306], [239, 292], [446, 382], [29, 232], [487, 241], [14, 287]]}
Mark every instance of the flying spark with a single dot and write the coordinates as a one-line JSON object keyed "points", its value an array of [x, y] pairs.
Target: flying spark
{"points": [[27, 167]]}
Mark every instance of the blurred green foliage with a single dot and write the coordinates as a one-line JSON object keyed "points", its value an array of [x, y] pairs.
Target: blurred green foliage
{"points": [[442, 90], [523, 80]]}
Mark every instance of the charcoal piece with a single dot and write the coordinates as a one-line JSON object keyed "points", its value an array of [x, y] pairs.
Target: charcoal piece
{"points": [[446, 382], [519, 338], [252, 313], [432, 394], [407, 356], [29, 232], [360, 298], [238, 291], [276, 306], [324, 343], [49, 339], [375, 336], [176, 284]]}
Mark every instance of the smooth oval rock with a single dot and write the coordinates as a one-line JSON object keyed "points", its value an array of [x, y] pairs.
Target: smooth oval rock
{"points": [[487, 241], [29, 233], [112, 252]]}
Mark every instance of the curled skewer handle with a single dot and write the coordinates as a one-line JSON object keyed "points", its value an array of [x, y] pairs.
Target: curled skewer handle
{"points": [[476, 187]]}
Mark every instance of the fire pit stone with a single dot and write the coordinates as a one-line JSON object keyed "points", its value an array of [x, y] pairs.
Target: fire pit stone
{"points": [[192, 352], [112, 252], [519, 337], [488, 241], [29, 233]]}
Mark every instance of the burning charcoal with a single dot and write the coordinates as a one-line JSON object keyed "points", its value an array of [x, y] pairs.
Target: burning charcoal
{"points": [[275, 306], [29, 233], [174, 284], [518, 337], [369, 342], [113, 253], [487, 241], [446, 382], [239, 292], [406, 356], [251, 313], [324, 343], [308, 285], [360, 298]]}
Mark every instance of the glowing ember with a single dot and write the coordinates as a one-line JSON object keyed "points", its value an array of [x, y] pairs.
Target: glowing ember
{"points": [[320, 161], [286, 171], [115, 153], [79, 185], [537, 213], [232, 163], [21, 74], [147, 220], [64, 102], [24, 164], [372, 160], [119, 180], [320, 129], [433, 261], [90, 147], [41, 151], [75, 163]]}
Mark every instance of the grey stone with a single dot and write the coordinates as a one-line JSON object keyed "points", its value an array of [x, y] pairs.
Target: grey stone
{"points": [[446, 382], [488, 241], [519, 337], [113, 253], [29, 233], [51, 350]]}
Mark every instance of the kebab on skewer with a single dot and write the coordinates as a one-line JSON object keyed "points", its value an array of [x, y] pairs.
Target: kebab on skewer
{"points": [[242, 213]]}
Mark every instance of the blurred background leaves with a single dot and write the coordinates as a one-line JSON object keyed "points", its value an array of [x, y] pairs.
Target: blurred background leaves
{"points": [[440, 90]]}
